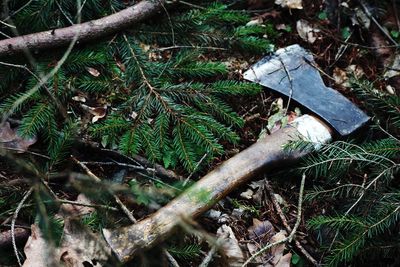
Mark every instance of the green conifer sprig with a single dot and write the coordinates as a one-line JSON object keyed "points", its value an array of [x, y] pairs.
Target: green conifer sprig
{"points": [[384, 106], [369, 210], [171, 108]]}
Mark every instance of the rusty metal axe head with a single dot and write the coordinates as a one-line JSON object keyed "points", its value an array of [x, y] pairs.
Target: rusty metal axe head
{"points": [[291, 72]]}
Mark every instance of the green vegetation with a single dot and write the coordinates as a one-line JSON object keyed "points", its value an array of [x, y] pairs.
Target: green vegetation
{"points": [[361, 182]]}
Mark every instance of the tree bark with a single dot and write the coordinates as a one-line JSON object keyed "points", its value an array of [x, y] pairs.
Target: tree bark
{"points": [[85, 31]]}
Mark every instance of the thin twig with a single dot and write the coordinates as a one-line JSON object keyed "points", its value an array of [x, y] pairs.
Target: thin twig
{"points": [[169, 21], [77, 203], [116, 198], [63, 12], [384, 31], [19, 10], [291, 235], [189, 46], [6, 24], [189, 4], [171, 259], [144, 162], [195, 168], [14, 218], [206, 261], [290, 82], [285, 223], [130, 166]]}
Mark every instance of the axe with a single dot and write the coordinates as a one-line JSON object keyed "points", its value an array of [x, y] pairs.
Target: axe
{"points": [[289, 71]]}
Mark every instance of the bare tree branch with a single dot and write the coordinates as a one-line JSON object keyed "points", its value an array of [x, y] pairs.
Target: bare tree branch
{"points": [[87, 31]]}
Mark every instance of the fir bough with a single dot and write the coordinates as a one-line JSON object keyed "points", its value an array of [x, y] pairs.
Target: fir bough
{"points": [[166, 96], [361, 179]]}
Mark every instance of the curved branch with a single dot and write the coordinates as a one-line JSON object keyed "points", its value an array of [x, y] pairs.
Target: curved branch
{"points": [[87, 31]]}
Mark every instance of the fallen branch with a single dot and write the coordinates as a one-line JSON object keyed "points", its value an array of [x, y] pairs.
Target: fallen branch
{"points": [[87, 31]]}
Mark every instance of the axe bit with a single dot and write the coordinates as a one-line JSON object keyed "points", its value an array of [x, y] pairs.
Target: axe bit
{"points": [[289, 72]]}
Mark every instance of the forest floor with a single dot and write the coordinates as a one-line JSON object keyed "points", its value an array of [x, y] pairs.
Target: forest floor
{"points": [[256, 214]]}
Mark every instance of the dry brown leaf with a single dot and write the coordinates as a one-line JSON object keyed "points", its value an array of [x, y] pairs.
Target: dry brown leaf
{"points": [[79, 99], [97, 112], [230, 246], [71, 210], [37, 250], [19, 145], [80, 247], [93, 71], [340, 76], [10, 140], [284, 260], [291, 4], [256, 21], [6, 133], [260, 230], [248, 194], [307, 31], [393, 67], [277, 251], [120, 65]]}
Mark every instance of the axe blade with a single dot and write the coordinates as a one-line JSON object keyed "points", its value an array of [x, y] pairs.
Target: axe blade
{"points": [[289, 71]]}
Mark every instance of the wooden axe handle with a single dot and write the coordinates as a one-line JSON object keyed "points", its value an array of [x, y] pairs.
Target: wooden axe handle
{"points": [[261, 156]]}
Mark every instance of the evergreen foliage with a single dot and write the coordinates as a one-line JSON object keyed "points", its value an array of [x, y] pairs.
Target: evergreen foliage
{"points": [[168, 104], [362, 179], [186, 252], [384, 106]]}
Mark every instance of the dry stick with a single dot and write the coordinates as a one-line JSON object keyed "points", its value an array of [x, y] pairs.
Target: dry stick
{"points": [[285, 223], [121, 164], [188, 4], [144, 162], [87, 31], [97, 179], [171, 259], [384, 31], [291, 235], [218, 243], [195, 169], [14, 218], [77, 203], [290, 82], [206, 261], [189, 46]]}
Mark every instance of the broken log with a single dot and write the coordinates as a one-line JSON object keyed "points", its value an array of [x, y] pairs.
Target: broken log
{"points": [[264, 155], [86, 31]]}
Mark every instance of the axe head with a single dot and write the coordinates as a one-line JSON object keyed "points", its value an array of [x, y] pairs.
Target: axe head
{"points": [[291, 71]]}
